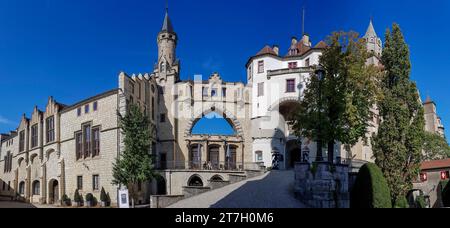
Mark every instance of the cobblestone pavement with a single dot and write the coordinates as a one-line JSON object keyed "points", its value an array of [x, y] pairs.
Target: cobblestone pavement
{"points": [[272, 190]]}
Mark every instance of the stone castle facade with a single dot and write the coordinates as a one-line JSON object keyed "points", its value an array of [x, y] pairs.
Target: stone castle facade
{"points": [[68, 147]]}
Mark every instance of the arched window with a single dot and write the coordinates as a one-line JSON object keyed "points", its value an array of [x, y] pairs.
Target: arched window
{"points": [[22, 188], [36, 188], [216, 178], [195, 181], [163, 66]]}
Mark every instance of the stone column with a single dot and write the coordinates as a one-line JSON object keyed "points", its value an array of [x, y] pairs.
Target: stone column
{"points": [[62, 180], [205, 148], [28, 185], [242, 155], [44, 184], [222, 154]]}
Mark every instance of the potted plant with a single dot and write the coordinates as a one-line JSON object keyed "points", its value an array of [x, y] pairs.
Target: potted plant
{"points": [[103, 198], [89, 199], [65, 200], [77, 198]]}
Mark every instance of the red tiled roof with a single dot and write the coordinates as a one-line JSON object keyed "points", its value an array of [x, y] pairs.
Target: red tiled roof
{"points": [[435, 164], [321, 45], [266, 50]]}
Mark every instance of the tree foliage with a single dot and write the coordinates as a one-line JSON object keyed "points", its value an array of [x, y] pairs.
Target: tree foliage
{"points": [[134, 165], [399, 142], [348, 92], [435, 147]]}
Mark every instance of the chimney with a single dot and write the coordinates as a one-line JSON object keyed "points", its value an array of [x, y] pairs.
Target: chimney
{"points": [[276, 49], [305, 40], [294, 41]]}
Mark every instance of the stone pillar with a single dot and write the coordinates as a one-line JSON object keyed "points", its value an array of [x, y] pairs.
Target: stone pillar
{"points": [[28, 185], [205, 148], [62, 180], [44, 184], [222, 155], [242, 155]]}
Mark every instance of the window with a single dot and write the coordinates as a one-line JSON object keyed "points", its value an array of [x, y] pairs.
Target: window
{"points": [[86, 109], [9, 185], [307, 63], [22, 188], [78, 145], [153, 108], [50, 126], [87, 140], [95, 183], [34, 136], [292, 65], [21, 141], [259, 156], [250, 71], [4, 186], [80, 182], [162, 118], [8, 162], [261, 89], [205, 91], [79, 112], [213, 92], [95, 106], [290, 86], [96, 142], [139, 186], [36, 188], [261, 67], [224, 92]]}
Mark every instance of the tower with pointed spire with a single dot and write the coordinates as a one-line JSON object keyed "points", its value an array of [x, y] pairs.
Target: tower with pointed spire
{"points": [[374, 43], [167, 44]]}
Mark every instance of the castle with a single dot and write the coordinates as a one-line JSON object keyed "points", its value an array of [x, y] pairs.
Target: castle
{"points": [[64, 148]]}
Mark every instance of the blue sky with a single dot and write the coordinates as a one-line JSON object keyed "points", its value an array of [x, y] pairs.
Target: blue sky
{"points": [[74, 49]]}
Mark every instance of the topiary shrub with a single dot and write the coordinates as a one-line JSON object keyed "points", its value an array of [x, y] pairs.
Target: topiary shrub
{"points": [[446, 193], [77, 197], [421, 202], [370, 189], [103, 196], [402, 202]]}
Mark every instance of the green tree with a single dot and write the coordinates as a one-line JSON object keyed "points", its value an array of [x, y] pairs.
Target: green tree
{"points": [[435, 147], [398, 145], [134, 165], [346, 94]]}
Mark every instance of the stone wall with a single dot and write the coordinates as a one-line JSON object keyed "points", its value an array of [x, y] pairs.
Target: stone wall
{"points": [[322, 185]]}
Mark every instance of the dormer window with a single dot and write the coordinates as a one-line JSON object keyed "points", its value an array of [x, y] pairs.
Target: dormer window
{"points": [[261, 67], [292, 65]]}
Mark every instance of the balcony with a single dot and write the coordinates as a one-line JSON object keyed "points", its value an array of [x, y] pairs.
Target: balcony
{"points": [[298, 70], [208, 166]]}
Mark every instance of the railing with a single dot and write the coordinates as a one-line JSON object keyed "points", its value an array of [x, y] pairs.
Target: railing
{"points": [[208, 166]]}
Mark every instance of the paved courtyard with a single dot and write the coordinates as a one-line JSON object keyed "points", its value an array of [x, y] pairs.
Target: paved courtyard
{"points": [[10, 204], [272, 190]]}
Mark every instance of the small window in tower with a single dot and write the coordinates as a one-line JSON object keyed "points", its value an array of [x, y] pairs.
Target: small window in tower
{"points": [[307, 63]]}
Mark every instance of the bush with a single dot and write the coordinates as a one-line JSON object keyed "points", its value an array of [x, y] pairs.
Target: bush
{"points": [[445, 186], [421, 202], [370, 189], [402, 203], [65, 200], [77, 197], [103, 196], [89, 197]]}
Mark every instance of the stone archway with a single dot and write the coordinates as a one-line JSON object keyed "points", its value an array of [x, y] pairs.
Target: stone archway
{"points": [[53, 191], [195, 181], [293, 154], [229, 117], [161, 186]]}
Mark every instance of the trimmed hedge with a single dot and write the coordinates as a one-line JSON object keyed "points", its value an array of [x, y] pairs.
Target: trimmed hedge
{"points": [[402, 202], [445, 193], [370, 189]]}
